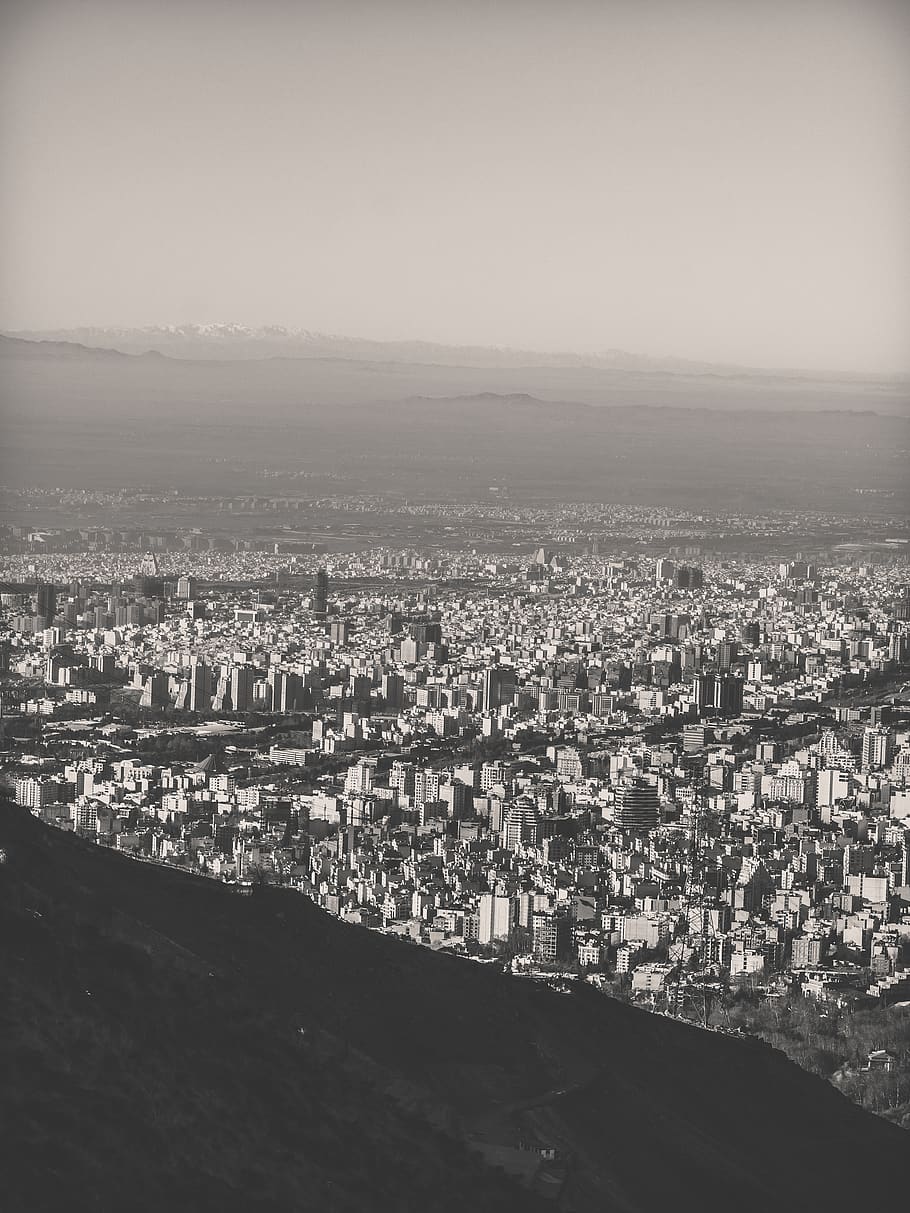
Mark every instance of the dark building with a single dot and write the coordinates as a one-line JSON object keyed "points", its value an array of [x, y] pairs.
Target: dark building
{"points": [[718, 694], [727, 653], [425, 632], [689, 577], [392, 690], [498, 687], [637, 805], [45, 601], [321, 593], [750, 633]]}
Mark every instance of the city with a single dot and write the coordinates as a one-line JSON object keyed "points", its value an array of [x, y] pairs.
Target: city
{"points": [[454, 606], [678, 775]]}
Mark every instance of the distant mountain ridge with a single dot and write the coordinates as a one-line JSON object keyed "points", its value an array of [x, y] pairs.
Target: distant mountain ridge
{"points": [[49, 348], [238, 341]]}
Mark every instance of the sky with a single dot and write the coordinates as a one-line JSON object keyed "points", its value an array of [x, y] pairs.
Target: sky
{"points": [[722, 180]]}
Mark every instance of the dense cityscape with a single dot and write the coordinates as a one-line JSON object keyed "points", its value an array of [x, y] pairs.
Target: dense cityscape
{"points": [[454, 607], [674, 768]]}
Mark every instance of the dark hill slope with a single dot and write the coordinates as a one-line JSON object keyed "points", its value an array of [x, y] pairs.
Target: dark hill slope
{"points": [[167, 1044]]}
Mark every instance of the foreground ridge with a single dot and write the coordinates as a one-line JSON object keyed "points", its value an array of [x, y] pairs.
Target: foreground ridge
{"points": [[253, 1049]]}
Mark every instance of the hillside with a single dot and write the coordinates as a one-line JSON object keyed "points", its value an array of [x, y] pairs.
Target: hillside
{"points": [[168, 1044]]}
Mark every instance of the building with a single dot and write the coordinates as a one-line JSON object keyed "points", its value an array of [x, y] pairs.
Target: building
{"points": [[877, 745], [497, 688], [494, 918], [234, 692], [321, 594], [338, 631], [492, 774], [689, 577], [285, 691], [718, 694], [392, 690], [521, 826], [590, 955], [808, 951], [426, 788], [550, 937], [242, 688], [652, 978], [361, 777], [45, 602], [637, 806], [695, 738], [155, 690], [196, 693], [727, 653], [33, 793], [570, 765]]}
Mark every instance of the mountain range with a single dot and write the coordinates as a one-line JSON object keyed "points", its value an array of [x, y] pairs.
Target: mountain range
{"points": [[169, 1044], [73, 415], [243, 341]]}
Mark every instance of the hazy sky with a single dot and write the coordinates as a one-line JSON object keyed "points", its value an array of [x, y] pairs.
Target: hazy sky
{"points": [[726, 180]]}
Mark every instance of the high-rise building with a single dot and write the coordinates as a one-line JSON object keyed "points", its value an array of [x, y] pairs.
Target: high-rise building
{"points": [[338, 631], [154, 690], [360, 777], [425, 631], [750, 633], [426, 788], [695, 737], [550, 936], [521, 826], [196, 693], [458, 799], [285, 690], [727, 652], [689, 577], [637, 805], [492, 774], [241, 687], [45, 602], [492, 688], [321, 593], [147, 581], [665, 571], [401, 778], [392, 690], [877, 743], [32, 793], [495, 918], [718, 693]]}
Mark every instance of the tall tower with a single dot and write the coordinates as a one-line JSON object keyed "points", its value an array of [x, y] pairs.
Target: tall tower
{"points": [[196, 692], [492, 688], [45, 602], [321, 594]]}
